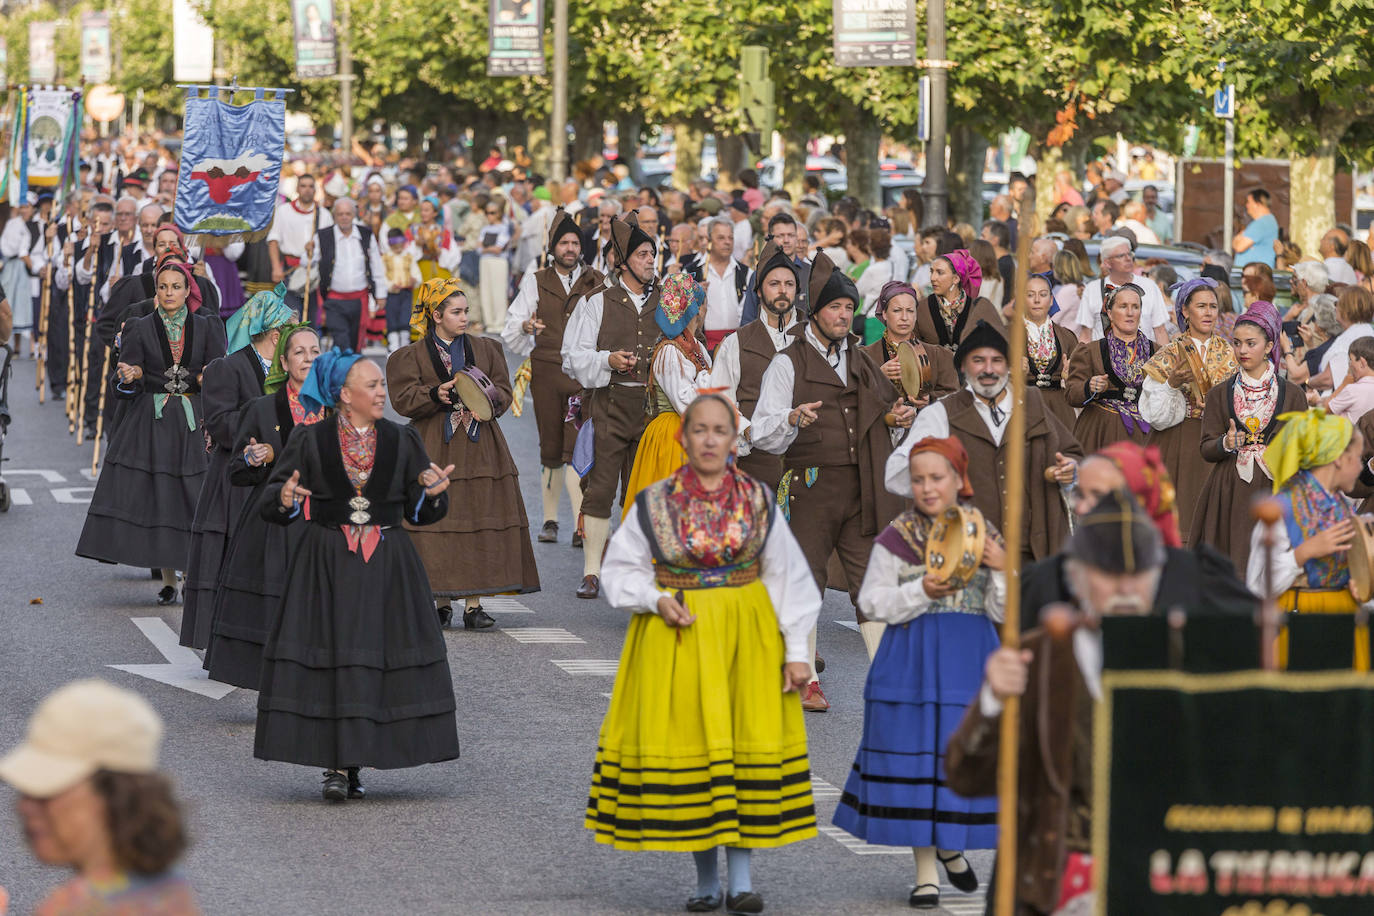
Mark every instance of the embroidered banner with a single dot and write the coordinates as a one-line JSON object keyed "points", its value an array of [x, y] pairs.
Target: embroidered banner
{"points": [[50, 116], [231, 159]]}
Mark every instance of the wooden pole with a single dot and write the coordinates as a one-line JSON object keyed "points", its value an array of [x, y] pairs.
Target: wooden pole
{"points": [[1013, 512], [72, 383], [40, 339], [1269, 513], [85, 352], [100, 416]]}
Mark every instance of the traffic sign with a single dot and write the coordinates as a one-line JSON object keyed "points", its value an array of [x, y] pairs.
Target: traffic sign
{"points": [[1224, 101]]}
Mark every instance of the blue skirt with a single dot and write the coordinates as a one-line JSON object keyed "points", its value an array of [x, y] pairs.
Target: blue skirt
{"points": [[925, 674]]}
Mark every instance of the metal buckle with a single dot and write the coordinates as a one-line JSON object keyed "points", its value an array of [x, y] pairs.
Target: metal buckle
{"points": [[360, 515], [177, 380], [1130, 394]]}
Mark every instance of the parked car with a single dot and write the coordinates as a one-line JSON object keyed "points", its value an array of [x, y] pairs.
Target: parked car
{"points": [[831, 171]]}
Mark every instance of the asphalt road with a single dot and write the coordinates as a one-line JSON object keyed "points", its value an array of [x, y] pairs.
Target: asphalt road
{"points": [[497, 831]]}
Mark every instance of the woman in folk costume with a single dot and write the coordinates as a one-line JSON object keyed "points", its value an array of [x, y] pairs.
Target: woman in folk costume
{"points": [[896, 308], [229, 386], [145, 497], [954, 308], [355, 671], [703, 744], [431, 243], [680, 366], [1316, 458], [1239, 418], [253, 575], [1105, 375], [1177, 379], [483, 546], [926, 671], [1049, 349]]}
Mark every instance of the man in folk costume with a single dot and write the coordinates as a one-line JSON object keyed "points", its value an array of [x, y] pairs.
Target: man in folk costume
{"points": [[607, 347], [743, 357], [534, 328], [978, 415], [1113, 567], [827, 409]]}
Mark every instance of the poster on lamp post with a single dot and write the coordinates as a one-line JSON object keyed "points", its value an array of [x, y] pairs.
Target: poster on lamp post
{"points": [[316, 51], [95, 47], [875, 33], [43, 52], [515, 38]]}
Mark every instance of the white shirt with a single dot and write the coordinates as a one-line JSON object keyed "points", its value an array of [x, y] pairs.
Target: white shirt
{"points": [[84, 274], [627, 575], [523, 307], [772, 431], [1144, 235], [1087, 651], [871, 282], [886, 598], [1162, 405], [725, 370], [350, 271], [744, 239], [1285, 569], [1338, 270], [678, 377], [581, 359], [934, 421], [291, 229], [1337, 356], [723, 307], [1153, 312]]}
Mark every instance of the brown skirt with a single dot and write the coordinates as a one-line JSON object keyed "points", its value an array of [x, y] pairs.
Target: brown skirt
{"points": [[1223, 517], [1178, 448], [1057, 402], [1098, 427]]}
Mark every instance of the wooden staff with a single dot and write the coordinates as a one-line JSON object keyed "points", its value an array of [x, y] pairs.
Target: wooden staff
{"points": [[1014, 511], [1269, 513], [100, 417], [73, 385], [40, 340], [85, 352]]}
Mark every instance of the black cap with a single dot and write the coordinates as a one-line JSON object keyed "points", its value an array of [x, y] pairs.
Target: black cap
{"points": [[827, 283], [563, 224], [627, 238], [771, 259], [982, 335], [1116, 536]]}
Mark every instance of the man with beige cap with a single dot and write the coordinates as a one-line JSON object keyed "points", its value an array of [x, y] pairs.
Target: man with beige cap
{"points": [[92, 799]]}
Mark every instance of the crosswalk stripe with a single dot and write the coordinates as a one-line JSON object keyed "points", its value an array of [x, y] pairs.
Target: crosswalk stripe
{"points": [[504, 604], [541, 635], [587, 666]]}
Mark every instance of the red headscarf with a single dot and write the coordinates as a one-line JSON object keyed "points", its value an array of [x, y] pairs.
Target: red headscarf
{"points": [[952, 450], [170, 262], [967, 270], [1148, 480]]}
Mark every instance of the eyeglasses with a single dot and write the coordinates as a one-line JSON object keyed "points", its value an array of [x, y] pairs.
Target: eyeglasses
{"points": [[493, 213]]}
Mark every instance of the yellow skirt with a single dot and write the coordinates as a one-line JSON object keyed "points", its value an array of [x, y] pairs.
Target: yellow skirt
{"points": [[658, 456], [1323, 601], [700, 747]]}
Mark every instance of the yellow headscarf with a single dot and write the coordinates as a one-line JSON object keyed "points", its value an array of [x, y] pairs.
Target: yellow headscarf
{"points": [[1308, 439], [427, 298]]}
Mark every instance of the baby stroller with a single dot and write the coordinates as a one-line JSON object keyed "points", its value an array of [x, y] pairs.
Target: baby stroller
{"points": [[5, 356]]}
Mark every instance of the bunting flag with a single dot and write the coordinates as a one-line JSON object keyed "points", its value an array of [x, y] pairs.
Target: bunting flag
{"points": [[69, 176], [231, 158], [16, 173]]}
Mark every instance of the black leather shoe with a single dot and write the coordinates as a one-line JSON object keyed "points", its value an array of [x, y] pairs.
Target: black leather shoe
{"points": [[445, 616], [168, 595], [577, 540], [335, 786], [820, 665], [549, 534], [477, 619], [965, 880], [590, 587], [924, 897], [704, 904], [355, 785], [747, 902], [155, 575]]}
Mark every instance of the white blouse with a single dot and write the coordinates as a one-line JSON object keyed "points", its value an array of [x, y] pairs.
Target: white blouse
{"points": [[882, 597], [678, 377]]}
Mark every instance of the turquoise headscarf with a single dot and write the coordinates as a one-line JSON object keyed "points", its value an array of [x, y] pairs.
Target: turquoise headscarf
{"points": [[326, 379], [265, 311]]}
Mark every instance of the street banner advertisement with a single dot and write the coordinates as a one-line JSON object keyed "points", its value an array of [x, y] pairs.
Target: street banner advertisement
{"points": [[193, 45], [1236, 793], [43, 52], [315, 40], [230, 166], [95, 47], [515, 38], [875, 33]]}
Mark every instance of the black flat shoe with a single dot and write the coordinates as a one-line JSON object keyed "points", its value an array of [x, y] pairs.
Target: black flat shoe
{"points": [[335, 786], [549, 533], [168, 595], [704, 904], [747, 902], [924, 897], [355, 785], [965, 880], [445, 616], [577, 540], [477, 619]]}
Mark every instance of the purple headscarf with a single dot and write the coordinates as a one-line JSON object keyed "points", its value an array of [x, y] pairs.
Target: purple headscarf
{"points": [[966, 268], [1264, 316], [891, 290], [1183, 290]]}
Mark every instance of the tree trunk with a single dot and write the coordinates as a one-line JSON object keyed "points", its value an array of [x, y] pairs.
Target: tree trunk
{"points": [[627, 145], [730, 159], [794, 163], [1049, 161], [688, 139], [862, 134], [538, 147], [967, 152], [1312, 191], [590, 139]]}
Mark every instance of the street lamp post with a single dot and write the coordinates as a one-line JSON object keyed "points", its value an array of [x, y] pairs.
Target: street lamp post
{"points": [[558, 127], [345, 80], [935, 189]]}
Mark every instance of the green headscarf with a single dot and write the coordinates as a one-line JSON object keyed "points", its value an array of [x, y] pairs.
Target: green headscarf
{"points": [[277, 376], [1308, 439]]}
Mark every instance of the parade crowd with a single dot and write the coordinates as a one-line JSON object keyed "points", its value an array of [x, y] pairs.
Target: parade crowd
{"points": [[747, 399]]}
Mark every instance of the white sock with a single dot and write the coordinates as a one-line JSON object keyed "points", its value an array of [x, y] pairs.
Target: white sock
{"points": [[549, 490], [573, 484], [872, 632], [811, 655], [957, 866], [925, 865], [169, 578], [598, 531]]}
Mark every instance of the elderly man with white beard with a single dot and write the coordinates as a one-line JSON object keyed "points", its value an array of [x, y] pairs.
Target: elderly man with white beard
{"points": [[977, 415]]}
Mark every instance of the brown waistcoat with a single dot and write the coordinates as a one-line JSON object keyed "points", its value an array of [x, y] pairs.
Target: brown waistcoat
{"points": [[554, 307], [756, 351], [625, 328]]}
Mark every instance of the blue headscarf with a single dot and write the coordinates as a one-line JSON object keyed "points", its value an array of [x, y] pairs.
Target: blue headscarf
{"points": [[265, 311], [1048, 277], [1185, 288], [326, 378], [438, 207]]}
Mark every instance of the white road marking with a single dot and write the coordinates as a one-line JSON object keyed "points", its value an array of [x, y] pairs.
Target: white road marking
{"points": [[858, 846], [504, 604], [48, 476], [20, 497], [183, 668], [848, 625], [587, 666], [68, 495], [542, 635]]}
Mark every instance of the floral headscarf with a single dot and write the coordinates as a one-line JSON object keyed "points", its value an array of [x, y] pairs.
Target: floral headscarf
{"points": [[427, 298]]}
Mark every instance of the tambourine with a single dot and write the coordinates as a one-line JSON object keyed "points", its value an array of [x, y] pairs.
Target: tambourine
{"points": [[954, 548], [477, 392], [914, 368], [1361, 559]]}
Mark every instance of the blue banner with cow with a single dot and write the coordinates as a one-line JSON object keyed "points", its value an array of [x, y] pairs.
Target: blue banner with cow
{"points": [[231, 160]]}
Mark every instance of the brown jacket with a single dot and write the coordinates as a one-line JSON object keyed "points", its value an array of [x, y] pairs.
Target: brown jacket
{"points": [[1046, 523], [931, 329], [1045, 772], [944, 377]]}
